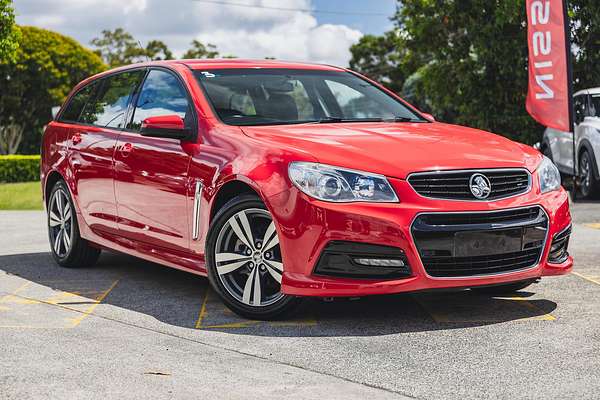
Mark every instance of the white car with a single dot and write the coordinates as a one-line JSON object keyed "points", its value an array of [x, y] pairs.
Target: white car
{"points": [[558, 145]]}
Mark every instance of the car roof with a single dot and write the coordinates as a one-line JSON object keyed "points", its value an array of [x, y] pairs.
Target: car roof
{"points": [[216, 63], [221, 63], [213, 63], [588, 91], [224, 63]]}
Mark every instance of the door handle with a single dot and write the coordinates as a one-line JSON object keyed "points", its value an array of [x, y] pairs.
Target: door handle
{"points": [[126, 149], [76, 138]]}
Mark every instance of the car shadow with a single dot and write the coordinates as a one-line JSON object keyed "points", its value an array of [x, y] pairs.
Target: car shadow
{"points": [[184, 300]]}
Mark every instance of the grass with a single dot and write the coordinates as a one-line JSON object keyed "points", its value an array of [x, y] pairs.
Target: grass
{"points": [[21, 196]]}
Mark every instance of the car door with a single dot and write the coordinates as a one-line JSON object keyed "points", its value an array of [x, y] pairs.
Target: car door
{"points": [[92, 139], [151, 172]]}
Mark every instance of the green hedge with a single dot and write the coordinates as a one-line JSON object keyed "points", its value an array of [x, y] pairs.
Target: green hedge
{"points": [[19, 168]]}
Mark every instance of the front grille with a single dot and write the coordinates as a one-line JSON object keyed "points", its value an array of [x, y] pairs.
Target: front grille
{"points": [[454, 185], [482, 243], [515, 216], [560, 244], [482, 265]]}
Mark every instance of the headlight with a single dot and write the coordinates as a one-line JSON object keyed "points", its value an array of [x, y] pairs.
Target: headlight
{"points": [[549, 176], [336, 184]]}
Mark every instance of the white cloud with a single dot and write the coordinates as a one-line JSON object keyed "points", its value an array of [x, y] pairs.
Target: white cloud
{"points": [[247, 32]]}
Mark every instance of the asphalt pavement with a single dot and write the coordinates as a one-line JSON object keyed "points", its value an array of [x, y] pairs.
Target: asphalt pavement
{"points": [[129, 329]]}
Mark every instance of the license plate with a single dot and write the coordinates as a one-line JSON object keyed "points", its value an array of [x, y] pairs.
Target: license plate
{"points": [[473, 244]]}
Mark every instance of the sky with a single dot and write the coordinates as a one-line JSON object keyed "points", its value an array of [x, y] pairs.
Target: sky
{"points": [[244, 31]]}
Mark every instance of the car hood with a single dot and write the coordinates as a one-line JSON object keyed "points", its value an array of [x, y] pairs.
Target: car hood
{"points": [[398, 149]]}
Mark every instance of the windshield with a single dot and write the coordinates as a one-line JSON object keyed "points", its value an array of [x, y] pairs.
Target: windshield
{"points": [[284, 96]]}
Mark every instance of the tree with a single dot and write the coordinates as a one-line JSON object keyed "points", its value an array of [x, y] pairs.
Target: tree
{"points": [[157, 50], [48, 65], [381, 58], [118, 48], [9, 32], [585, 33], [466, 61], [200, 50]]}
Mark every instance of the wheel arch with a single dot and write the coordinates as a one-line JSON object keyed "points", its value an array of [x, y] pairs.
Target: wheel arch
{"points": [[230, 188], [51, 179]]}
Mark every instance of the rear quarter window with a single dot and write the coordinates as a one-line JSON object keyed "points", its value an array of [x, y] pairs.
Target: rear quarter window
{"points": [[110, 104], [78, 101]]}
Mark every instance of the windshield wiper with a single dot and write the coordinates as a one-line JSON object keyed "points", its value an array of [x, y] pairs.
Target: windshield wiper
{"points": [[401, 119], [328, 120]]}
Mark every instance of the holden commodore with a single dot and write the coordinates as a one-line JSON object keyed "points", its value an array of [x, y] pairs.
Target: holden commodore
{"points": [[281, 180]]}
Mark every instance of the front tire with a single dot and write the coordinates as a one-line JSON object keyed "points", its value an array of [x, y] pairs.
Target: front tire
{"points": [[69, 249], [244, 262], [589, 186]]}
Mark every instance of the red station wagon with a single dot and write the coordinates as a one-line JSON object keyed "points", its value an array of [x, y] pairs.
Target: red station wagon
{"points": [[284, 180]]}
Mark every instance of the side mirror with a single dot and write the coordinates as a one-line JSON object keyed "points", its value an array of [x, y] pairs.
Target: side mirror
{"points": [[428, 117], [165, 126]]}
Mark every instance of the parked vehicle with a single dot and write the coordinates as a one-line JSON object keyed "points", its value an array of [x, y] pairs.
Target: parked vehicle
{"points": [[558, 146], [284, 180]]}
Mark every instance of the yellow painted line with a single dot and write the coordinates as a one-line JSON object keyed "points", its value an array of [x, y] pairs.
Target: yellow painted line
{"points": [[250, 323], [202, 310], [587, 278], [89, 310], [305, 322], [233, 325], [543, 317], [447, 318], [243, 324], [14, 292], [15, 299], [593, 225], [31, 327]]}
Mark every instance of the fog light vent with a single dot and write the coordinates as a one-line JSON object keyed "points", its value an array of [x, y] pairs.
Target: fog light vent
{"points": [[379, 262], [560, 243], [362, 260]]}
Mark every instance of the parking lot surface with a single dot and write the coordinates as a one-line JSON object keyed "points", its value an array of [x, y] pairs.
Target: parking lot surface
{"points": [[130, 329]]}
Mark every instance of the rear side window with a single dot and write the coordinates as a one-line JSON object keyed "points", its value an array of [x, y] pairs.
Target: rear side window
{"points": [[594, 110], [78, 101], [110, 105], [580, 108], [161, 94]]}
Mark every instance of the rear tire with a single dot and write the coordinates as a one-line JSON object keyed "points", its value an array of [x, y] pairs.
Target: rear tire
{"points": [[69, 249], [244, 262], [588, 186], [503, 289]]}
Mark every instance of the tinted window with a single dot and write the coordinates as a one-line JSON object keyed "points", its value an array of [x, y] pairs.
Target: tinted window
{"points": [[110, 106], [285, 96], [161, 94], [594, 106], [78, 101], [579, 103]]}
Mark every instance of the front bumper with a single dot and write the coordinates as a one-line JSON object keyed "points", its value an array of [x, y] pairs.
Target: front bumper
{"points": [[306, 226]]}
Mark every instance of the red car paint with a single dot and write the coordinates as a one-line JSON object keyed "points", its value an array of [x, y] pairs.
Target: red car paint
{"points": [[135, 194]]}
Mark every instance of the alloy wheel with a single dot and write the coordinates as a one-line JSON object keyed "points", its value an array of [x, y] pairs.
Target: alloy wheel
{"points": [[586, 175], [248, 258], [60, 219]]}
